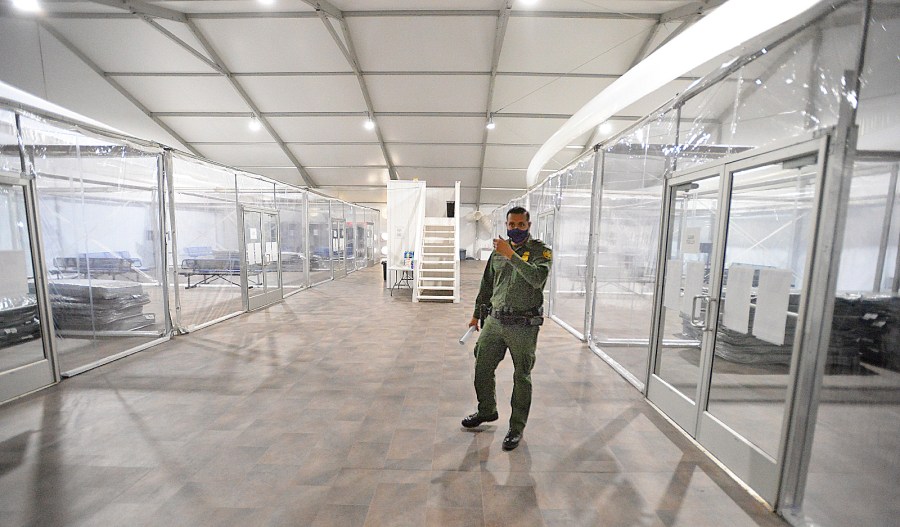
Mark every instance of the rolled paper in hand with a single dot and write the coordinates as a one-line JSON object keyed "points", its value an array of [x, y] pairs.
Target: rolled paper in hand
{"points": [[468, 334]]}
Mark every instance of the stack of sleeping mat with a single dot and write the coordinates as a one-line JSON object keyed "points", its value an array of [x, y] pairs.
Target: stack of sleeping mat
{"points": [[81, 304], [868, 328], [741, 348], [18, 319]]}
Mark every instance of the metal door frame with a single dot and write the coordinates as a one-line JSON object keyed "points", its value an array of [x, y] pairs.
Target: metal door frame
{"points": [[758, 470], [341, 252], [271, 295], [25, 379]]}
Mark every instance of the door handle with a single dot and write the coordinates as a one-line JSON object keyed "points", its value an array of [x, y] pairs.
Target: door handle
{"points": [[698, 322]]}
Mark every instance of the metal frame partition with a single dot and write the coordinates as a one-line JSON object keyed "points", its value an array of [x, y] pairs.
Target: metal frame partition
{"points": [[47, 135], [819, 154]]}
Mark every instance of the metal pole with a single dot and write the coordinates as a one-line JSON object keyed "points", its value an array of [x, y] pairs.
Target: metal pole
{"points": [[173, 244], [593, 243], [161, 243], [306, 239]]}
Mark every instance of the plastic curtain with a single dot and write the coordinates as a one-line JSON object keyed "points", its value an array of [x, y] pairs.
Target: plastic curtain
{"points": [[99, 207], [406, 212], [207, 267]]}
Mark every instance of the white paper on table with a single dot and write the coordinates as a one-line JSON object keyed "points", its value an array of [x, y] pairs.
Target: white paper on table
{"points": [[737, 298], [690, 243], [672, 292], [772, 299], [14, 278], [693, 285]]}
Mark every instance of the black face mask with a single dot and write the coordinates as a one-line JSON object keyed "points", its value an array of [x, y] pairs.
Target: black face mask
{"points": [[517, 236]]}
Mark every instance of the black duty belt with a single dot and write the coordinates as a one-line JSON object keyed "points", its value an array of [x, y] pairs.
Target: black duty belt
{"points": [[517, 319]]}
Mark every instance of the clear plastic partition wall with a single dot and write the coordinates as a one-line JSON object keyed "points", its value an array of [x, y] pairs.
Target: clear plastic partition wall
{"points": [[855, 455], [790, 88], [9, 143], [570, 246], [632, 172], [320, 233], [99, 203], [207, 266], [291, 205]]}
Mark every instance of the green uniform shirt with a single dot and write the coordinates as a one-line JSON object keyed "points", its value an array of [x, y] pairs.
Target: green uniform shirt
{"points": [[516, 284]]}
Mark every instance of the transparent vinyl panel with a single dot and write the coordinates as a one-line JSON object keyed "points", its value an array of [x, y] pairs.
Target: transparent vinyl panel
{"points": [[20, 319], [291, 206], [792, 88], [10, 159], [633, 176], [208, 263], [320, 240], [856, 447], [771, 212], [855, 457], [571, 244], [98, 201]]}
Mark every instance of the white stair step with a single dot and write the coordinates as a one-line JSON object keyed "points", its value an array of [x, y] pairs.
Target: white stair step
{"points": [[436, 278], [436, 288], [429, 297], [437, 254], [437, 270], [439, 262]]}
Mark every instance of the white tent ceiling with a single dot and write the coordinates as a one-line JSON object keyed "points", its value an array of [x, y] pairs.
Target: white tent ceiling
{"points": [[431, 72]]}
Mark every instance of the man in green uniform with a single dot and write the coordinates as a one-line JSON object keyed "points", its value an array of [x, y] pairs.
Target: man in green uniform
{"points": [[512, 288]]}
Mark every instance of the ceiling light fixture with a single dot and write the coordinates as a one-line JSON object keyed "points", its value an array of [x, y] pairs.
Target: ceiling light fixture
{"points": [[254, 124], [266, 2], [529, 2], [606, 128], [32, 6], [490, 124], [369, 124]]}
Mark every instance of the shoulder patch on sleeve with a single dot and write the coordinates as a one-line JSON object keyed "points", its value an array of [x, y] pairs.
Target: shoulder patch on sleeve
{"points": [[548, 254]]}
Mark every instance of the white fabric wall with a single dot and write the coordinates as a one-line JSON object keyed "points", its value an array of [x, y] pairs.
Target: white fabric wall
{"points": [[405, 213]]}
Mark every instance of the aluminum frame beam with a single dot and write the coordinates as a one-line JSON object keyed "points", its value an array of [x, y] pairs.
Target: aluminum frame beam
{"points": [[136, 7], [499, 36]]}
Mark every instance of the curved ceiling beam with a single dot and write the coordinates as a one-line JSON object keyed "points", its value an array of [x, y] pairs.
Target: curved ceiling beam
{"points": [[723, 30]]}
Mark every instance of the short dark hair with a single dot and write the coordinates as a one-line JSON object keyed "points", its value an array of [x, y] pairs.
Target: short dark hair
{"points": [[518, 210]]}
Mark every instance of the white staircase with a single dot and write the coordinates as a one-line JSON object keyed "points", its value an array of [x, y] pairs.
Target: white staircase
{"points": [[437, 276]]}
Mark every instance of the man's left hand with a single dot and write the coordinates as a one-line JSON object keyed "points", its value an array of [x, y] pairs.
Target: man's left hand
{"points": [[502, 246]]}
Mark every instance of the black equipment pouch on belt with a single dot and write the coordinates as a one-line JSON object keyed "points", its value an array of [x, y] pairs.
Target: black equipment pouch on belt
{"points": [[508, 318]]}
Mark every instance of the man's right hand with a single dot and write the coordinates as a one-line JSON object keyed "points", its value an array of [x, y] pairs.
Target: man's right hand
{"points": [[474, 322]]}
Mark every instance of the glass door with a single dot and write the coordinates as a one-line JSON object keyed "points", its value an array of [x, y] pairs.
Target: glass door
{"points": [[734, 279], [26, 360], [262, 267], [693, 215], [338, 247]]}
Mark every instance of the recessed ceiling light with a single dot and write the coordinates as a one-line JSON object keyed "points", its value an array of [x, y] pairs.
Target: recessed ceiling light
{"points": [[369, 124], [32, 6], [254, 124]]}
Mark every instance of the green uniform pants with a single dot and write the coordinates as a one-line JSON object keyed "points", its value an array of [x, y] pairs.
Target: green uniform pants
{"points": [[495, 339]]}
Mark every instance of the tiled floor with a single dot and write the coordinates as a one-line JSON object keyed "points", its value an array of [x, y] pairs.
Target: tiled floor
{"points": [[341, 406]]}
